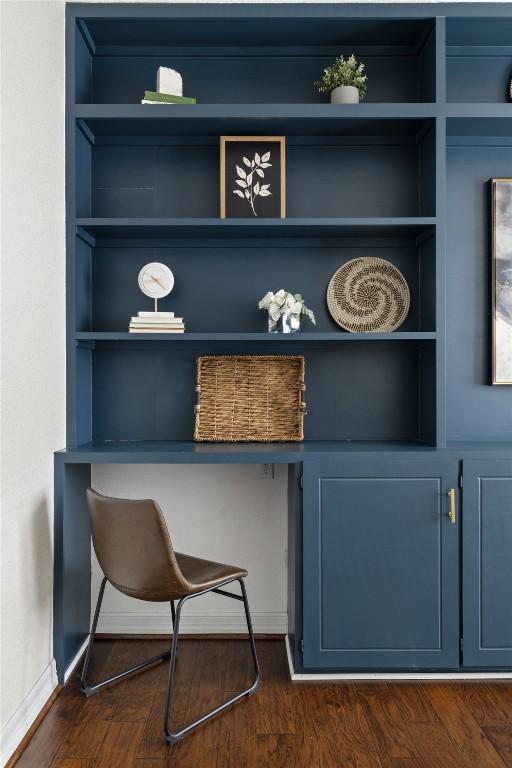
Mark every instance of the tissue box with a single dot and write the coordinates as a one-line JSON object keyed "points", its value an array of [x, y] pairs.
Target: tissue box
{"points": [[169, 81]]}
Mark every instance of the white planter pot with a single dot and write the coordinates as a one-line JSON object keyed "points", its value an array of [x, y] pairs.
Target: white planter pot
{"points": [[345, 94]]}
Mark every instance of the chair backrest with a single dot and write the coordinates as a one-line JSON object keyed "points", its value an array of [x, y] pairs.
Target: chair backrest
{"points": [[133, 547]]}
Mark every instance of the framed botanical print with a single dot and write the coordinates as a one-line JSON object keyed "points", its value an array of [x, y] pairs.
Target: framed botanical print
{"points": [[501, 243], [252, 177]]}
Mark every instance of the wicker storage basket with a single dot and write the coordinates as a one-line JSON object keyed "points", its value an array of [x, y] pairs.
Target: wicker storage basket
{"points": [[250, 398]]}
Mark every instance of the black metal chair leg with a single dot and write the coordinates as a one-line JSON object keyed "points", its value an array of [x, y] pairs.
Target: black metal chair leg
{"points": [[171, 737], [83, 677], [89, 690], [251, 639], [174, 736], [173, 617]]}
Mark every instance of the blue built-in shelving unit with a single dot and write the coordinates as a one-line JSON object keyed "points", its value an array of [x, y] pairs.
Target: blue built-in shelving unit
{"points": [[143, 183], [402, 176]]}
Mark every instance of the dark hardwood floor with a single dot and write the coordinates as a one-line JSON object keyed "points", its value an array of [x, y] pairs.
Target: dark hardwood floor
{"points": [[285, 724]]}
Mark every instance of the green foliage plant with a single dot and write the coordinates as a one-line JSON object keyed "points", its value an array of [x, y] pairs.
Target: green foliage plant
{"points": [[345, 71]]}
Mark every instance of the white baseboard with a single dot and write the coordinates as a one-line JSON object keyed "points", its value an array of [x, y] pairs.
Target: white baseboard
{"points": [[78, 655], [319, 676], [18, 724], [192, 623]]}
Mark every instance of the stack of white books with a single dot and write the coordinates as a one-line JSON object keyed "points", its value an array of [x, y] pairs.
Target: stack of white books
{"points": [[156, 322]]}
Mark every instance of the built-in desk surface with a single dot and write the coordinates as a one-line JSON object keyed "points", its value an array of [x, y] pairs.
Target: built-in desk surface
{"points": [[169, 452]]}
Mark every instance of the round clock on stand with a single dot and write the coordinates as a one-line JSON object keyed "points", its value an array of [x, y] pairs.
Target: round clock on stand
{"points": [[156, 281]]}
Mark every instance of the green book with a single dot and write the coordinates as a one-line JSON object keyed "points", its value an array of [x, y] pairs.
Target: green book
{"points": [[167, 98]]}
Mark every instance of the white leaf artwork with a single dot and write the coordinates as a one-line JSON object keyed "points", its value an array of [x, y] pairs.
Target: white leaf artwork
{"points": [[245, 180]]}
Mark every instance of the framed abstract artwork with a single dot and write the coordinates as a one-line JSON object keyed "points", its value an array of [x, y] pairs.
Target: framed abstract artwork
{"points": [[252, 177], [501, 288]]}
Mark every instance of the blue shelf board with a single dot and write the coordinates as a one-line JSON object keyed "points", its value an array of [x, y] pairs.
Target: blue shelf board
{"points": [[479, 110], [286, 338], [327, 111], [104, 120], [474, 124], [145, 228], [483, 131], [190, 452], [369, 17]]}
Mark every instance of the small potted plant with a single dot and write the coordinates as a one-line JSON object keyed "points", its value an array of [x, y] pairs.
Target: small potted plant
{"points": [[344, 80], [285, 311]]}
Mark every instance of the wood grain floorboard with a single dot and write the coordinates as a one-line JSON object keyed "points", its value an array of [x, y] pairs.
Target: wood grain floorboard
{"points": [[507, 758], [411, 762], [388, 727], [120, 745], [202, 746], [272, 705], [86, 737], [344, 734], [462, 727], [135, 698], [434, 744], [485, 704], [412, 702], [500, 737], [275, 751], [72, 762], [284, 725], [238, 739], [56, 726]]}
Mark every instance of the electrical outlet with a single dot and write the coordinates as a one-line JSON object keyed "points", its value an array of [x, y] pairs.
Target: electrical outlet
{"points": [[267, 472]]}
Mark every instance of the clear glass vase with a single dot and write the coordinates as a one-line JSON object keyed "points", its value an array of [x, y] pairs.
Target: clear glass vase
{"points": [[287, 323]]}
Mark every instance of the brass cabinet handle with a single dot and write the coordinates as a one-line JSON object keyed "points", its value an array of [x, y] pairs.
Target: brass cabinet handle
{"points": [[451, 513]]}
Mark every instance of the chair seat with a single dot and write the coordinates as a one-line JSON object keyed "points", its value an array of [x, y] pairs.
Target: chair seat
{"points": [[205, 574]]}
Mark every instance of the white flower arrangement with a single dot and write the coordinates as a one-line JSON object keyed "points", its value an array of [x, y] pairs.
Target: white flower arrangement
{"points": [[283, 302]]}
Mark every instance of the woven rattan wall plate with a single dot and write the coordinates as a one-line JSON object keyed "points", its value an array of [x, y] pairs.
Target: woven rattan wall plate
{"points": [[368, 295], [245, 398]]}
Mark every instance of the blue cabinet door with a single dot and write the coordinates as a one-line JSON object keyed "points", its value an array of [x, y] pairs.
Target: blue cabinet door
{"points": [[487, 563], [380, 564]]}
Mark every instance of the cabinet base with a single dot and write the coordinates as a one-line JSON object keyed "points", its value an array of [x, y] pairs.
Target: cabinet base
{"points": [[461, 674]]}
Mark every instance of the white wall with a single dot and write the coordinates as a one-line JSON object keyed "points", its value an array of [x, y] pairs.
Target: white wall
{"points": [[33, 326], [219, 512]]}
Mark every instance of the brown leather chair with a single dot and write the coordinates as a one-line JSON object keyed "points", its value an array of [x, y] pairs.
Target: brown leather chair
{"points": [[135, 552]]}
